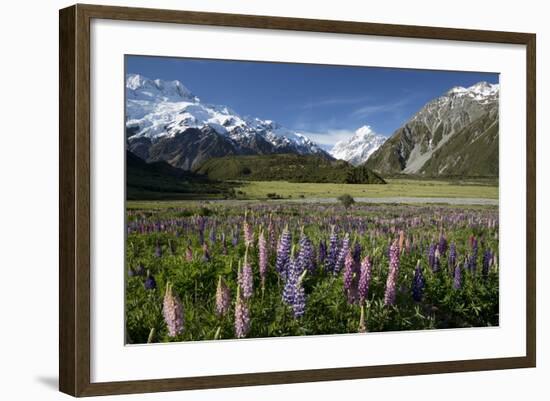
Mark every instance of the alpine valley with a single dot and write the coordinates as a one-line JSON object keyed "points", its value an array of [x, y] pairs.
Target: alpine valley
{"points": [[453, 135]]}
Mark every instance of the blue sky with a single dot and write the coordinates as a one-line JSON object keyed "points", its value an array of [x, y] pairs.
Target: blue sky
{"points": [[330, 102]]}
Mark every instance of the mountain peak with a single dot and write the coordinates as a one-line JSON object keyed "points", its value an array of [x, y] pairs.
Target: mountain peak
{"points": [[140, 87], [358, 148], [478, 90], [364, 131]]}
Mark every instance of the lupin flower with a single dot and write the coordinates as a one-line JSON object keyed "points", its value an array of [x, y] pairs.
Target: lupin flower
{"points": [[418, 283], [235, 238], [173, 312], [248, 233], [322, 251], [487, 259], [442, 244], [212, 236], [299, 304], [262, 258], [452, 257], [364, 279], [401, 240], [350, 280], [293, 290], [223, 298], [242, 316], [272, 240], [391, 282], [150, 282], [306, 254], [289, 288], [437, 260], [283, 253], [457, 277], [348, 271], [332, 251], [342, 255], [245, 278]]}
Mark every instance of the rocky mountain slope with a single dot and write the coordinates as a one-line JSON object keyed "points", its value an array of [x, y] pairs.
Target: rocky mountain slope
{"points": [[453, 135]]}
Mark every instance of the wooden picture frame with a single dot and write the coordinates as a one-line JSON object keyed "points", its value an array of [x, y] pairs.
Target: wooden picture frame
{"points": [[74, 203]]}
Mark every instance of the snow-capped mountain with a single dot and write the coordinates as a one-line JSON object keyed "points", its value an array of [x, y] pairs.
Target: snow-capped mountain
{"points": [[165, 121], [454, 134], [359, 147]]}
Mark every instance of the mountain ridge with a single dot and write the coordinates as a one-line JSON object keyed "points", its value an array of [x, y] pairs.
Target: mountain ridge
{"points": [[454, 134]]}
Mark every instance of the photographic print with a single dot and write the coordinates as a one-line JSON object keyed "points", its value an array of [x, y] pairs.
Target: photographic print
{"points": [[268, 199]]}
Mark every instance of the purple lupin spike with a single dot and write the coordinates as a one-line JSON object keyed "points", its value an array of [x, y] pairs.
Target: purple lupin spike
{"points": [[364, 279], [293, 290], [283, 253], [223, 298], [172, 311], [332, 251], [442, 244], [242, 316], [437, 260], [418, 283], [391, 282], [457, 277], [248, 233], [452, 257], [262, 258], [245, 278], [322, 251], [306, 254], [342, 254]]}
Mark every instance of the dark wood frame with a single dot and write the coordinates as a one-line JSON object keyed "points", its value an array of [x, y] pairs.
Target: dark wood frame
{"points": [[74, 199]]}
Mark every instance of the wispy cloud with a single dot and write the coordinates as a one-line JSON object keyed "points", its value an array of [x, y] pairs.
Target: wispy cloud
{"points": [[369, 110], [334, 101]]}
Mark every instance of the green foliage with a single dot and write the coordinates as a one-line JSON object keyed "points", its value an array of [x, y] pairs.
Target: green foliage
{"points": [[346, 200], [286, 167], [160, 180]]}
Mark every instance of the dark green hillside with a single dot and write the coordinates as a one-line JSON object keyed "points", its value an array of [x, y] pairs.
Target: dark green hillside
{"points": [[159, 180], [472, 152], [286, 167]]}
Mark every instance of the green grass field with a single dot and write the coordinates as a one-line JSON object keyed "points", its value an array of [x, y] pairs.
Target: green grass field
{"points": [[394, 188]]}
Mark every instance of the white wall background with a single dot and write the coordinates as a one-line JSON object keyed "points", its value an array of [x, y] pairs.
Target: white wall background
{"points": [[28, 197]]}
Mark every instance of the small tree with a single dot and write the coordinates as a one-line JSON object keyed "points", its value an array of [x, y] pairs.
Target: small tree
{"points": [[346, 200]]}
